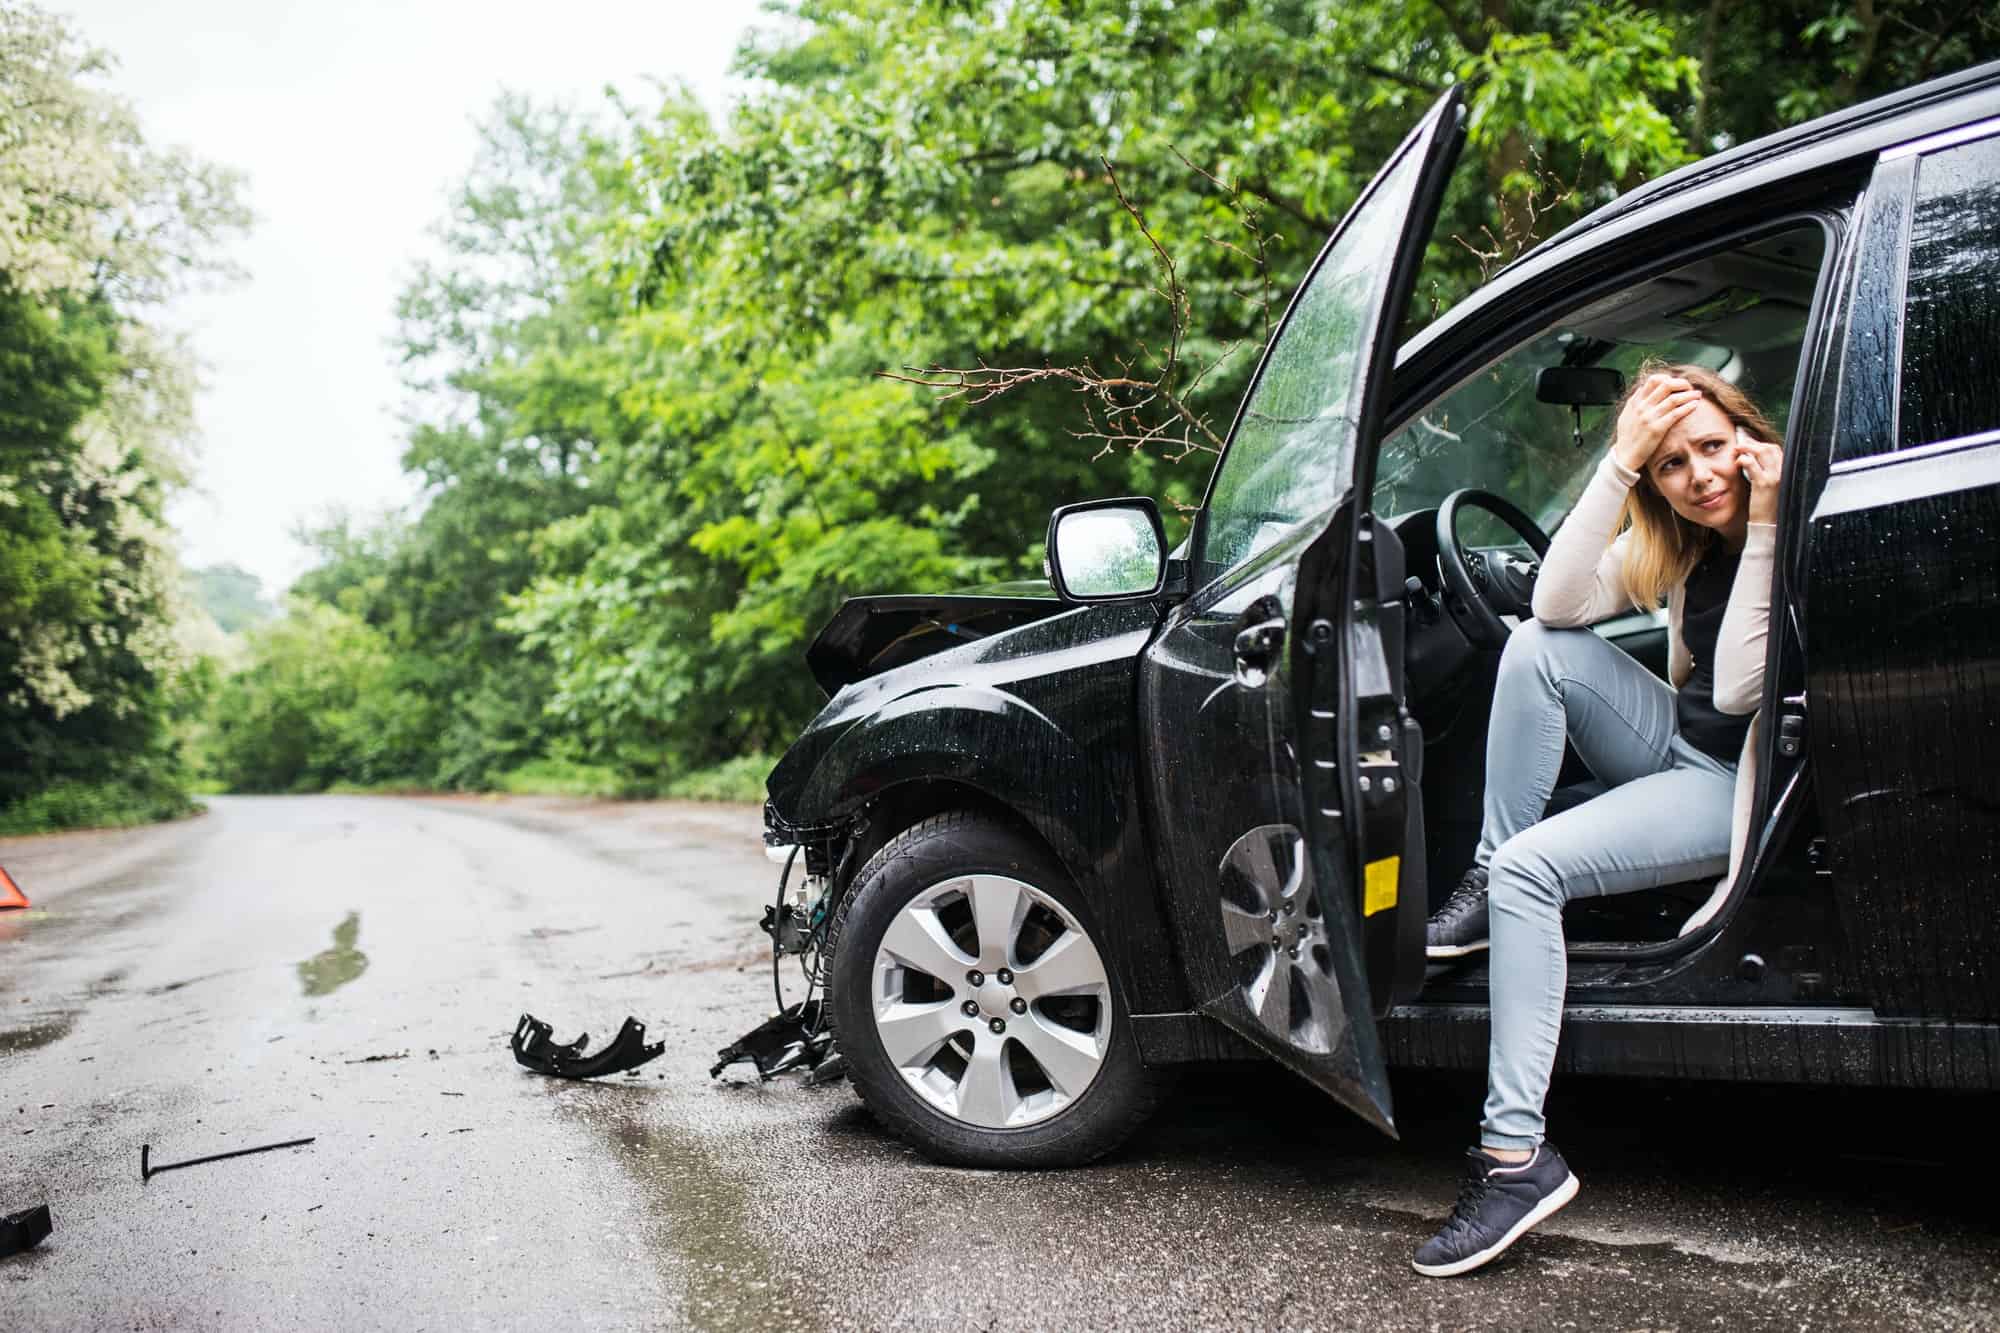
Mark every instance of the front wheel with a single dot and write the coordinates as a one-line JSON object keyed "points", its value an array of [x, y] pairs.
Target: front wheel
{"points": [[972, 1001]]}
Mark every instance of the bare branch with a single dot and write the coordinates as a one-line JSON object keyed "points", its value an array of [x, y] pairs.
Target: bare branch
{"points": [[1247, 217], [1147, 402], [1397, 76], [1520, 228]]}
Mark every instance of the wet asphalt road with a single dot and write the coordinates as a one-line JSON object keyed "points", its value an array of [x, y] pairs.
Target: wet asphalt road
{"points": [[350, 967]]}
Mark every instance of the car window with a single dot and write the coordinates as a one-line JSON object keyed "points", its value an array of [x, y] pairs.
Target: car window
{"points": [[1292, 453], [1741, 313], [1951, 322], [1491, 434]]}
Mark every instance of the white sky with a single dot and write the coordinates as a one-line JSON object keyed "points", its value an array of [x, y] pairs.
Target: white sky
{"points": [[352, 120]]}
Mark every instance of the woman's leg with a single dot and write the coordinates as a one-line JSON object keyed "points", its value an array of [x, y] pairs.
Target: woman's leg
{"points": [[1659, 829], [1566, 683]]}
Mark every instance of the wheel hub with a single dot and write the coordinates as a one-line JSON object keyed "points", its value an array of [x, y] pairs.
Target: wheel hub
{"points": [[995, 1000]]}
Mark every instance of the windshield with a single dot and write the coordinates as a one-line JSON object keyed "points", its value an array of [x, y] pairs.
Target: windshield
{"points": [[1739, 312], [1491, 434]]}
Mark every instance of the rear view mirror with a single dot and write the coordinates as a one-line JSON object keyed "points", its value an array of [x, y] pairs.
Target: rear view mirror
{"points": [[1107, 550], [1578, 386]]}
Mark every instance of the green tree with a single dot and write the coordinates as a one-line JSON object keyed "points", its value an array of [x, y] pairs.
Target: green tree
{"points": [[233, 596], [97, 229], [315, 706], [648, 401]]}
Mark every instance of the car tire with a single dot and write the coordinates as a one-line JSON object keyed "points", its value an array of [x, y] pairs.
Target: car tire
{"points": [[1067, 1087]]}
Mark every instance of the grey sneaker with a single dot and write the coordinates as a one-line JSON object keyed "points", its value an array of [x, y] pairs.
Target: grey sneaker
{"points": [[1497, 1205], [1459, 927]]}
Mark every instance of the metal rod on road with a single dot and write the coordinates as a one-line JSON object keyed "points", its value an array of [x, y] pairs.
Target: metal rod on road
{"points": [[147, 1170]]}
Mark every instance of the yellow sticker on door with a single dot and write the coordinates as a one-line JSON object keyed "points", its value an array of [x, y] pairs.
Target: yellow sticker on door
{"points": [[1378, 886]]}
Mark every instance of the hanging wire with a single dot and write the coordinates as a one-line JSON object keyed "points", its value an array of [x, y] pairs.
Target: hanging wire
{"points": [[777, 919]]}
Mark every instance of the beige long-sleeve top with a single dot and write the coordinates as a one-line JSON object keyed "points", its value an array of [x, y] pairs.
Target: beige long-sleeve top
{"points": [[1582, 581]]}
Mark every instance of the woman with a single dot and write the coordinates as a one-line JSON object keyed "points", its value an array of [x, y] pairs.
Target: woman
{"points": [[1692, 479]]}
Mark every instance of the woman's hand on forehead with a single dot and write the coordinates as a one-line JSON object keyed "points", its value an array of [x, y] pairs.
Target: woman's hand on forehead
{"points": [[1659, 404]]}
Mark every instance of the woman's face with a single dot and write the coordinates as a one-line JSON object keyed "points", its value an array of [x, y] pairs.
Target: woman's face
{"points": [[1695, 470]]}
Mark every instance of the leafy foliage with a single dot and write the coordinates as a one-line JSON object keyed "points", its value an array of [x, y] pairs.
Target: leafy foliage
{"points": [[647, 392], [318, 703], [96, 229], [233, 596]]}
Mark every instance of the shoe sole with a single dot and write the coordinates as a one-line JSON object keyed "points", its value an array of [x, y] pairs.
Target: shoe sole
{"points": [[1455, 950], [1540, 1213]]}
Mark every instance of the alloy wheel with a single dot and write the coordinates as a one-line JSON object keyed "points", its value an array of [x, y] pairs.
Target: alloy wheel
{"points": [[992, 1001], [1276, 938]]}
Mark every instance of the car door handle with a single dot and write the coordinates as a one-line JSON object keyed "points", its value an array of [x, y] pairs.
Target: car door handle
{"points": [[1257, 644]]}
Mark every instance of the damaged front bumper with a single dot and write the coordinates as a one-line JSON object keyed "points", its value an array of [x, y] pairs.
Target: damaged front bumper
{"points": [[797, 1036]]}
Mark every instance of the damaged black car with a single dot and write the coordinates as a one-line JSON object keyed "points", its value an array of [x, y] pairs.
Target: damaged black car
{"points": [[1048, 842]]}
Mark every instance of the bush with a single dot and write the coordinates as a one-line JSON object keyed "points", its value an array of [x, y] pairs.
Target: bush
{"points": [[738, 779], [318, 702], [78, 805], [404, 786], [565, 777]]}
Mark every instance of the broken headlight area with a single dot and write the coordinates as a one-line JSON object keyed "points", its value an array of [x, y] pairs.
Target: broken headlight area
{"points": [[797, 1035]]}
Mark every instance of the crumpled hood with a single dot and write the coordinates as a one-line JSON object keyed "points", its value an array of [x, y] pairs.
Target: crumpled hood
{"points": [[870, 635]]}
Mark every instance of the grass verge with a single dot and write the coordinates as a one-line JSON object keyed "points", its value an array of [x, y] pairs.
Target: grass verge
{"points": [[563, 777]]}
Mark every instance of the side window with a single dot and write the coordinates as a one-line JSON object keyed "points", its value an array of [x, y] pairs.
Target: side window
{"points": [[1293, 450], [1951, 321], [1922, 331]]}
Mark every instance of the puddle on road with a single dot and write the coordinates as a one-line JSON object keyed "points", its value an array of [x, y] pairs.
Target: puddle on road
{"points": [[330, 969], [700, 1209], [18, 1041]]}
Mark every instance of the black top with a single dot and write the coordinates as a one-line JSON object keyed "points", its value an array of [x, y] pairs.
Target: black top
{"points": [[1707, 728]]}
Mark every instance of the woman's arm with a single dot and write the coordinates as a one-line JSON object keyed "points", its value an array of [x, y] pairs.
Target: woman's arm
{"points": [[1582, 578], [1746, 625]]}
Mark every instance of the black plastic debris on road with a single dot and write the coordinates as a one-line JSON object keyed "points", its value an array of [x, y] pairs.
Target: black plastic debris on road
{"points": [[147, 1170], [628, 1050], [378, 1059], [794, 1038], [23, 1231]]}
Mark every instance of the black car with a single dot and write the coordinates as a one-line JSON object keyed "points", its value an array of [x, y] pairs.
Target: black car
{"points": [[1198, 805]]}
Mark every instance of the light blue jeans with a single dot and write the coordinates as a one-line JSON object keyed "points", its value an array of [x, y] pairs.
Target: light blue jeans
{"points": [[1665, 819]]}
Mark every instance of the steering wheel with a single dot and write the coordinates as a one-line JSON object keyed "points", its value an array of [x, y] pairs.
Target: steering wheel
{"points": [[1481, 585]]}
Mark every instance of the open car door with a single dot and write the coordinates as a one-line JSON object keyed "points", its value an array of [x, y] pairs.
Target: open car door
{"points": [[1271, 697]]}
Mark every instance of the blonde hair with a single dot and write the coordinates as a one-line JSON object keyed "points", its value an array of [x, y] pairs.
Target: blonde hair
{"points": [[1664, 547]]}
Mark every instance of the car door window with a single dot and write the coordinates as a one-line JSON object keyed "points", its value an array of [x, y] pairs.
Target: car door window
{"points": [[1951, 323], [1292, 448]]}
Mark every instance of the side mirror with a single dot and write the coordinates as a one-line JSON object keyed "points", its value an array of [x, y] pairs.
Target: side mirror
{"points": [[1107, 550]]}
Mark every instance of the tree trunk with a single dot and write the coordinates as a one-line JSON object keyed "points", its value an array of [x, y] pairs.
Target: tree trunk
{"points": [[1871, 31], [1711, 26]]}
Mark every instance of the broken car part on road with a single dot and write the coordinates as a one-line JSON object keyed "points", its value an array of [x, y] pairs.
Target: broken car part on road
{"points": [[628, 1050], [23, 1231], [793, 1038]]}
